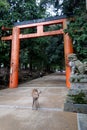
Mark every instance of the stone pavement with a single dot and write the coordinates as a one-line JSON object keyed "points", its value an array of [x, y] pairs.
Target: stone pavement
{"points": [[16, 112]]}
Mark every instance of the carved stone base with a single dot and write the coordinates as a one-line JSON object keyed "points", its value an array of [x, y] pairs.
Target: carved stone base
{"points": [[79, 85], [76, 100], [78, 81], [71, 105], [78, 78], [78, 108]]}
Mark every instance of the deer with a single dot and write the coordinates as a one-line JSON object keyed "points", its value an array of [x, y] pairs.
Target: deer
{"points": [[35, 96]]}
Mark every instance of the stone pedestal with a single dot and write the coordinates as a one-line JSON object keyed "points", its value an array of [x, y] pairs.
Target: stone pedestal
{"points": [[78, 81], [78, 85], [78, 88]]}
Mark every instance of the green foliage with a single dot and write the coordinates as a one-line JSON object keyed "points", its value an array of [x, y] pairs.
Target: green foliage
{"points": [[55, 52], [77, 28], [78, 98], [24, 10], [72, 7], [46, 51], [4, 6], [18, 10], [4, 53]]}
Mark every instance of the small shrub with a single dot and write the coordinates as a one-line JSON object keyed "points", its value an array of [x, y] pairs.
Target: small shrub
{"points": [[79, 98]]}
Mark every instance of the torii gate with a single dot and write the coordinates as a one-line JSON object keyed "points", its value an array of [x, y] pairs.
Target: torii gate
{"points": [[39, 24]]}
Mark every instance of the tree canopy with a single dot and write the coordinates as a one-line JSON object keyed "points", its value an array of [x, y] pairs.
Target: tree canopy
{"points": [[47, 51], [77, 29]]}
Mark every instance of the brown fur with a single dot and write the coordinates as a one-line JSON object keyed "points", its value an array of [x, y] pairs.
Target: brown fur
{"points": [[35, 95]]}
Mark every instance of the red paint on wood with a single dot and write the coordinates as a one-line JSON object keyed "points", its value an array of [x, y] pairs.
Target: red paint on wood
{"points": [[14, 58], [68, 48]]}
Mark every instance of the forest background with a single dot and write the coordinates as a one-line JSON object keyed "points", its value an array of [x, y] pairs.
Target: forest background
{"points": [[46, 54]]}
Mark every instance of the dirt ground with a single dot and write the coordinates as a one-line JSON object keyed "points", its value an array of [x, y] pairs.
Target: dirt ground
{"points": [[16, 106]]}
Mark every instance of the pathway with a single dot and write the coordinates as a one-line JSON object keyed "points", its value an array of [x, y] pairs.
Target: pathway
{"points": [[16, 112]]}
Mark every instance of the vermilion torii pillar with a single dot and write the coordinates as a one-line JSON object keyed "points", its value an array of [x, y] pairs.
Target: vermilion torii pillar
{"points": [[14, 58], [68, 48], [16, 36]]}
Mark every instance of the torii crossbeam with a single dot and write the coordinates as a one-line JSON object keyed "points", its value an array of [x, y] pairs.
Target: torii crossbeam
{"points": [[39, 24]]}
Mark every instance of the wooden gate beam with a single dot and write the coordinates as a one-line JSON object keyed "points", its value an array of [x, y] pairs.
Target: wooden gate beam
{"points": [[16, 36], [40, 34], [60, 21]]}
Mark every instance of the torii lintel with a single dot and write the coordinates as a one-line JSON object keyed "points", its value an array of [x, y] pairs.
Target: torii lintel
{"points": [[39, 24]]}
